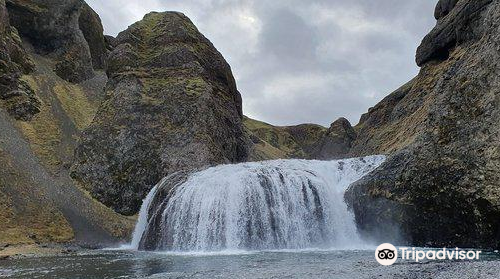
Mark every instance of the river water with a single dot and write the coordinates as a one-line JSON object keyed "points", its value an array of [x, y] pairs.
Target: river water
{"points": [[282, 264]]}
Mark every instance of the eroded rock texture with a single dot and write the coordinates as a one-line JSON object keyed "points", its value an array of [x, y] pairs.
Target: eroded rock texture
{"points": [[441, 185], [67, 30], [41, 116], [171, 105], [16, 95], [92, 29], [458, 23], [337, 141]]}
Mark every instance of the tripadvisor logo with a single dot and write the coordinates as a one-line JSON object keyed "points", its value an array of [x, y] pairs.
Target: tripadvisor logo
{"points": [[387, 254]]}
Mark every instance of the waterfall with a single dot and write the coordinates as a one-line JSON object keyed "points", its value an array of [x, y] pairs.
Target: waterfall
{"points": [[142, 222], [282, 204]]}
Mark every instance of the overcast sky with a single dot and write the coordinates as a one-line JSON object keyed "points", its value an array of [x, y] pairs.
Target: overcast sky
{"points": [[301, 61]]}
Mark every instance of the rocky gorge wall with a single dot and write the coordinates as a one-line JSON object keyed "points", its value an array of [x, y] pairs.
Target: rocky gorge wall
{"points": [[441, 185], [15, 95], [42, 113]]}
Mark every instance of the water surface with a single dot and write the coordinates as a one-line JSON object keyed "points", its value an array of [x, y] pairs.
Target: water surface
{"points": [[282, 264]]}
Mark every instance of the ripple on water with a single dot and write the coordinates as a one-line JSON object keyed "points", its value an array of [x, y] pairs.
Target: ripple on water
{"points": [[270, 264]]}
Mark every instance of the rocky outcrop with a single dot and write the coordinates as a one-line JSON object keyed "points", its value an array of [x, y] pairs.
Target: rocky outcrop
{"points": [[91, 26], [171, 105], [337, 141], [67, 30], [306, 141], [458, 23], [111, 42], [443, 8], [14, 57], [15, 95], [152, 237], [441, 185], [39, 203]]}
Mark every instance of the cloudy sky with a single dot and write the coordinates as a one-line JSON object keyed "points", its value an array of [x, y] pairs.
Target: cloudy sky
{"points": [[301, 61]]}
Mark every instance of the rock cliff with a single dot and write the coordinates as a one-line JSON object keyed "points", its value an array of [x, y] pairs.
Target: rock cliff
{"points": [[440, 185], [16, 96], [171, 104], [41, 115], [70, 32]]}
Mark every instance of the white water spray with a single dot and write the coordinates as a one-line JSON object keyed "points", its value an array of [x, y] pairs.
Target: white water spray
{"points": [[282, 204], [142, 222]]}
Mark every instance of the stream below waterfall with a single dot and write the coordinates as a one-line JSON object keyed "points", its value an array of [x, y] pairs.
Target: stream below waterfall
{"points": [[342, 264]]}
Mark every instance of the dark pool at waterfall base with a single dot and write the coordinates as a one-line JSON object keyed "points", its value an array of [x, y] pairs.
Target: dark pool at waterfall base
{"points": [[279, 264]]}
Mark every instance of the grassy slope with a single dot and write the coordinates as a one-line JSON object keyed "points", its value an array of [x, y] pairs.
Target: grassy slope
{"points": [[276, 142], [23, 221], [33, 206]]}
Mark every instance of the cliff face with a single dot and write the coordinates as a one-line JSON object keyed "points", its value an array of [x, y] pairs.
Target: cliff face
{"points": [[441, 185], [59, 29], [16, 96], [41, 115], [171, 104]]}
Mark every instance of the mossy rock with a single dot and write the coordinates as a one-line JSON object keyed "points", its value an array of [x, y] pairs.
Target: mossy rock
{"points": [[171, 105], [306, 141]]}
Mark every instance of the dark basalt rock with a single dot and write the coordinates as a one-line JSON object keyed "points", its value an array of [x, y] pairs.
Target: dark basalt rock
{"points": [[152, 237], [65, 29], [111, 42], [92, 29], [15, 95], [459, 22], [441, 185], [337, 142], [444, 7], [20, 101], [171, 105], [13, 56]]}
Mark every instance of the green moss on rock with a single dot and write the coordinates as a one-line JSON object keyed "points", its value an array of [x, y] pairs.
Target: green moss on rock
{"points": [[307, 141], [171, 105]]}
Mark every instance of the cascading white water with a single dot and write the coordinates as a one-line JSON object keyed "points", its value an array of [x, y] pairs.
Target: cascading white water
{"points": [[142, 222], [282, 204]]}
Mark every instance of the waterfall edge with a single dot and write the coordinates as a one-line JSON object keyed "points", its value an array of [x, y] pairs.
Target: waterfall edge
{"points": [[268, 205]]}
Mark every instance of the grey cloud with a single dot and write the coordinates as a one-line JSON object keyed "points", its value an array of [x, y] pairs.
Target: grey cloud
{"points": [[288, 37]]}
